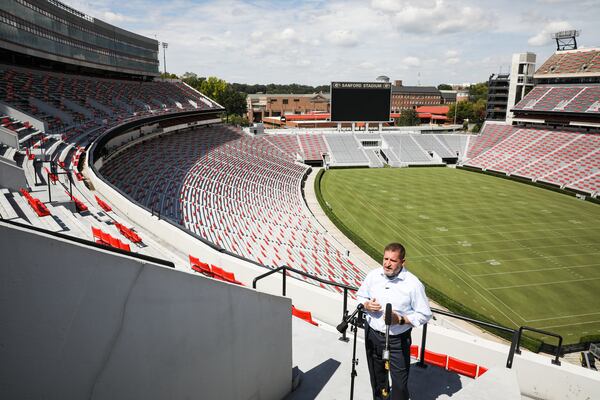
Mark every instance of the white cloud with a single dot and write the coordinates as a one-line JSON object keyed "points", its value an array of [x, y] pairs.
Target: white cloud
{"points": [[344, 38], [114, 18], [544, 36], [437, 16], [411, 61]]}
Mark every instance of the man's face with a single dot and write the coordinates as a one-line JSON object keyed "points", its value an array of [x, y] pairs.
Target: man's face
{"points": [[392, 263]]}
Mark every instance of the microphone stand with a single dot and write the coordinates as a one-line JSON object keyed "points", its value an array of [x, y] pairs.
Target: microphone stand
{"points": [[385, 391], [356, 320]]}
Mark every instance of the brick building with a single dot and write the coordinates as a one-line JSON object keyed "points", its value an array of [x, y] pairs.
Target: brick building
{"points": [[407, 97], [275, 105]]}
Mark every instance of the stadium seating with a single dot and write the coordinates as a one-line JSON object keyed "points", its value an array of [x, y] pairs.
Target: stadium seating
{"points": [[346, 150], [562, 98], [564, 158], [241, 193], [405, 149], [569, 62], [491, 134]]}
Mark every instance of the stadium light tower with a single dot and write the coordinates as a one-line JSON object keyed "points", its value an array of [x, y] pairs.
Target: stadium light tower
{"points": [[165, 45], [566, 40]]}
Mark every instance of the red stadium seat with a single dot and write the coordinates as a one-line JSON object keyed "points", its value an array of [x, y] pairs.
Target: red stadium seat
{"points": [[305, 315]]}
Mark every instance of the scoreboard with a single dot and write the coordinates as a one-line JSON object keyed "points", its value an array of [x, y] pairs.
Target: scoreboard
{"points": [[360, 101]]}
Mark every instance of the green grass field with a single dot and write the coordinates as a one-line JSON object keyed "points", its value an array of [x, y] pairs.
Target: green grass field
{"points": [[518, 254]]}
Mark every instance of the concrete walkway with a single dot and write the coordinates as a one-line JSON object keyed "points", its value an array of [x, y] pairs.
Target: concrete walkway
{"points": [[325, 363]]}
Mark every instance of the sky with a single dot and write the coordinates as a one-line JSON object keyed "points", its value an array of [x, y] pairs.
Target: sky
{"points": [[313, 42]]}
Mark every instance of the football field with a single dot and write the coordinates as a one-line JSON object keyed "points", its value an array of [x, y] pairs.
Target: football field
{"points": [[518, 254]]}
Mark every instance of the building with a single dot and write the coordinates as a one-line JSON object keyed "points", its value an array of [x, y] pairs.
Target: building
{"points": [[497, 100], [275, 105], [506, 90], [67, 39], [409, 97], [522, 68]]}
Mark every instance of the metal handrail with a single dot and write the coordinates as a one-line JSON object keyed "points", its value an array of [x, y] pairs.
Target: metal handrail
{"points": [[513, 343], [556, 361], [285, 268]]}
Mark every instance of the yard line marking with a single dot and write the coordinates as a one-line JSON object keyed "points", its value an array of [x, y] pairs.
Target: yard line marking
{"points": [[575, 323], [543, 284], [528, 258], [563, 317], [532, 231], [535, 270]]}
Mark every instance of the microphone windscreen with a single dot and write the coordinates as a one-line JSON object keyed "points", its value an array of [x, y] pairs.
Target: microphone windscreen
{"points": [[388, 314]]}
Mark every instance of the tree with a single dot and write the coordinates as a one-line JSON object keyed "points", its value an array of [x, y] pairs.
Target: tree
{"points": [[444, 86], [193, 80], [408, 118], [214, 88], [168, 76], [478, 91], [233, 101]]}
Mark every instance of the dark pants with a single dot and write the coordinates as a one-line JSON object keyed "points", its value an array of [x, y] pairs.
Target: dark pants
{"points": [[399, 363]]}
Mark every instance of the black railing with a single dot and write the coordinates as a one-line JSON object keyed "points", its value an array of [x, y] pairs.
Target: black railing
{"points": [[285, 268], [556, 361], [514, 332]]}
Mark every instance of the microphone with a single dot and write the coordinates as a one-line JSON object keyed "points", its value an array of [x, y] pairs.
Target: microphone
{"points": [[341, 328], [388, 314]]}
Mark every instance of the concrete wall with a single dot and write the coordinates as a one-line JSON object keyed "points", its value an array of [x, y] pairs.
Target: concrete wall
{"points": [[11, 175], [79, 322], [538, 378], [21, 116], [9, 138]]}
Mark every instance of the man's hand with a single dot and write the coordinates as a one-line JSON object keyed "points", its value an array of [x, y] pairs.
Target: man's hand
{"points": [[372, 305]]}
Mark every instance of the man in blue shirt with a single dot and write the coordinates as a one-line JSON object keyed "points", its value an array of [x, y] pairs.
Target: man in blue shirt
{"points": [[410, 308]]}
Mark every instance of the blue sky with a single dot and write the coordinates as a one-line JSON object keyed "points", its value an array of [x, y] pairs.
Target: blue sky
{"points": [[314, 42]]}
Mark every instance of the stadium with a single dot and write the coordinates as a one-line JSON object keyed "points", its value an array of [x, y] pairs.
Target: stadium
{"points": [[151, 250]]}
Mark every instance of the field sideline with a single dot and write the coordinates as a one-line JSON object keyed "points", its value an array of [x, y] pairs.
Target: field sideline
{"points": [[519, 254]]}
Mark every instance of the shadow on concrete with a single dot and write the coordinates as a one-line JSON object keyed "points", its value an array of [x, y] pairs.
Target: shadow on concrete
{"points": [[313, 381], [432, 382]]}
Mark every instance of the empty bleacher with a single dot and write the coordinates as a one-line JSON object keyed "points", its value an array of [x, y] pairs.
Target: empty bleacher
{"points": [[346, 150], [406, 149], [580, 98], [241, 193], [564, 158]]}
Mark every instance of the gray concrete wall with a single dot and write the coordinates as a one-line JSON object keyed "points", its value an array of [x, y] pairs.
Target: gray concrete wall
{"points": [[78, 322], [11, 175], [9, 138], [21, 116]]}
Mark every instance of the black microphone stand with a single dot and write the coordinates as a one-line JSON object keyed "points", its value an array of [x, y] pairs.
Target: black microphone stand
{"points": [[356, 320]]}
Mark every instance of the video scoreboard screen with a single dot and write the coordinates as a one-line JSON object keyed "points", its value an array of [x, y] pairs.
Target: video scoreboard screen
{"points": [[360, 101]]}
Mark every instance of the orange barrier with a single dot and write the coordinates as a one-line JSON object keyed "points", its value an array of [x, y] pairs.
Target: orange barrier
{"points": [[305, 315], [437, 359], [414, 351], [462, 367]]}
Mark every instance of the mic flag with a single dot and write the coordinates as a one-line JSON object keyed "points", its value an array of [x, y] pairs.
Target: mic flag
{"points": [[388, 314]]}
